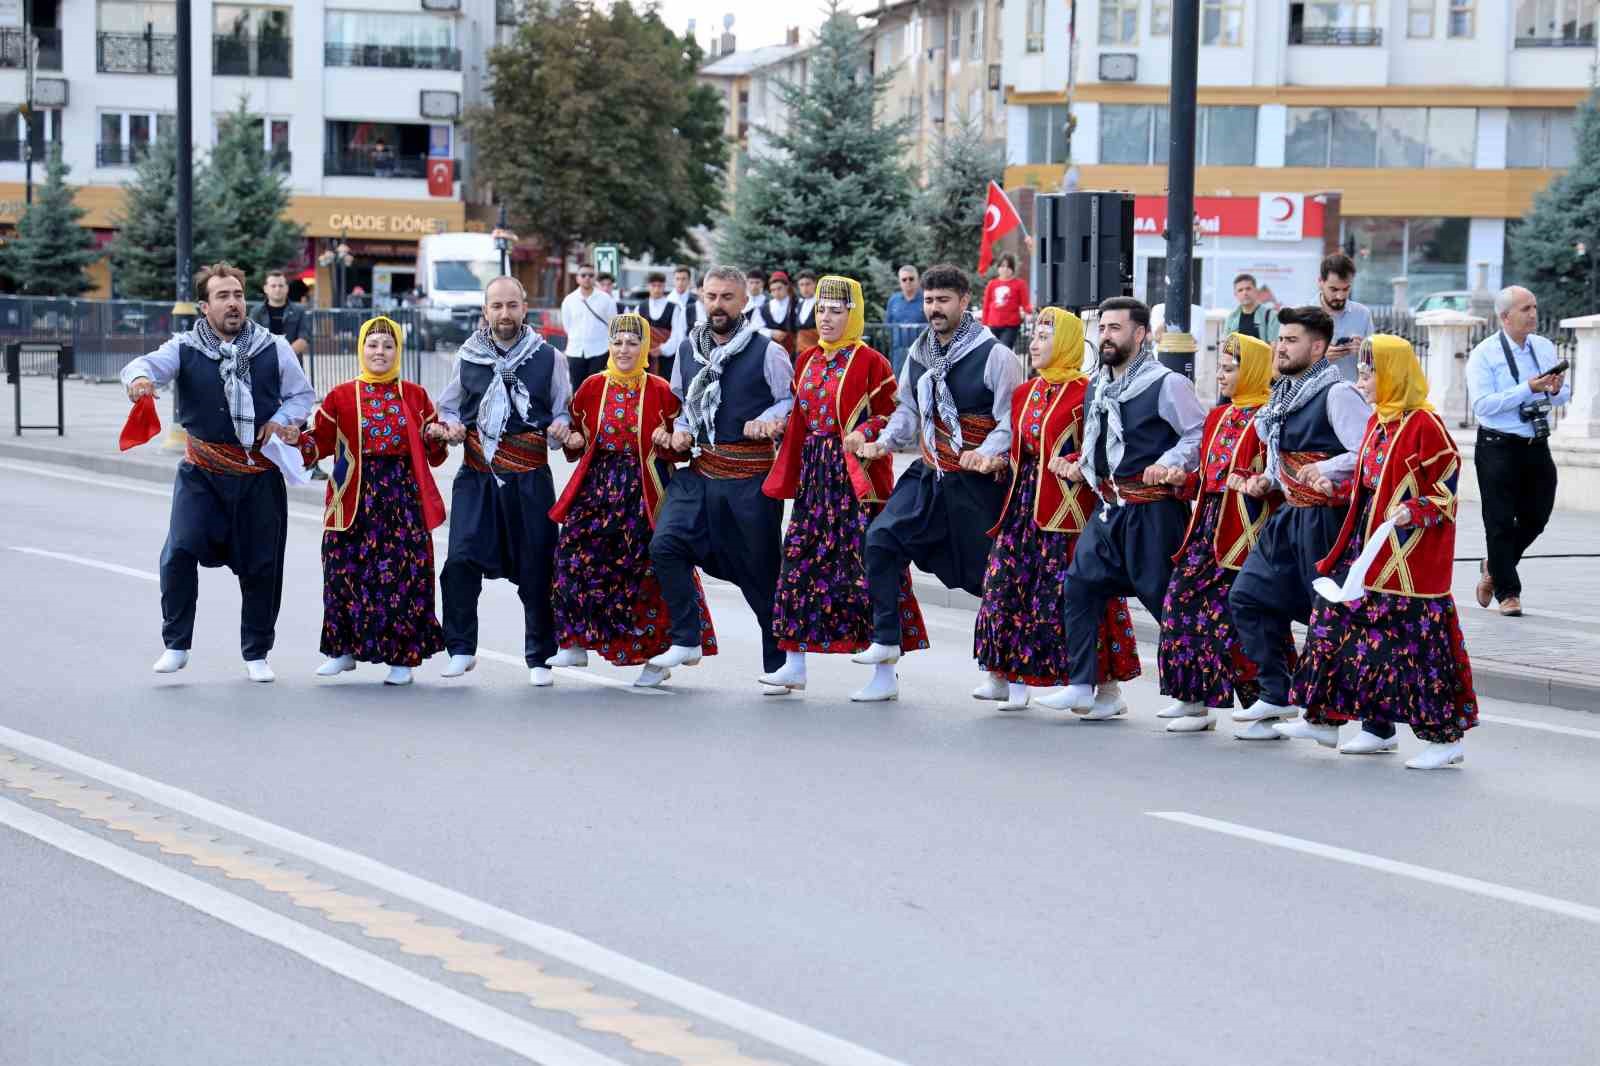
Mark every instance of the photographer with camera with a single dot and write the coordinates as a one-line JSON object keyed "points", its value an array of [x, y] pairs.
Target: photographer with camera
{"points": [[1514, 379]]}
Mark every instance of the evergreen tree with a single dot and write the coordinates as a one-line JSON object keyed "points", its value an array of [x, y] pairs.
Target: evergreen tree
{"points": [[144, 255], [48, 255], [250, 197], [836, 194], [950, 209], [1557, 245]]}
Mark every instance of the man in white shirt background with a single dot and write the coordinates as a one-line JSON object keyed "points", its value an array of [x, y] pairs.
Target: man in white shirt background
{"points": [[667, 328], [586, 315], [683, 295]]}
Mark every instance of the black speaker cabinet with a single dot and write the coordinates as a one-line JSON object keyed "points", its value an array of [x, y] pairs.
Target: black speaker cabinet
{"points": [[1083, 243]]}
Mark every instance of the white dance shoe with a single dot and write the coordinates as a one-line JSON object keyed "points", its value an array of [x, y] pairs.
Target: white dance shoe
{"points": [[1016, 698], [458, 665], [1300, 729], [677, 655], [568, 657], [541, 677], [1438, 756], [1257, 731], [258, 671], [398, 675], [1079, 698], [1201, 721], [338, 664], [993, 687], [1365, 743], [878, 690], [877, 655], [788, 676], [172, 660], [651, 677], [1108, 703], [1181, 710], [1261, 711]]}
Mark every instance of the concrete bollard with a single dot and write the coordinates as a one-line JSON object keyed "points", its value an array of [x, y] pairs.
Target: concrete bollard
{"points": [[1446, 364], [1401, 286], [1581, 420]]}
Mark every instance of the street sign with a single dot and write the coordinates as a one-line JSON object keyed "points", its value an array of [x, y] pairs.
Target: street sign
{"points": [[606, 259]]}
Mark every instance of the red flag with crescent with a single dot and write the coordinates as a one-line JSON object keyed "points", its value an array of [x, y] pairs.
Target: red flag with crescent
{"points": [[441, 177], [999, 219]]}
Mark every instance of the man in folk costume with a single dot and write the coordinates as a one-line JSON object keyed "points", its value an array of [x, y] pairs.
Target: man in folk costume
{"points": [[775, 317], [1311, 429], [736, 387], [667, 328], [1395, 654], [1142, 426], [607, 597], [805, 318], [683, 295], [844, 395], [238, 386], [509, 393], [954, 402]]}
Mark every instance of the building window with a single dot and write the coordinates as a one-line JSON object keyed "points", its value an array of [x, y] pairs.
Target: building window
{"points": [[1161, 18], [955, 35], [1541, 137], [136, 38], [391, 39], [1119, 21], [1222, 22], [1140, 134], [1047, 134], [1335, 22], [1410, 137], [975, 47], [1035, 14], [46, 133], [251, 41], [274, 135], [1431, 253], [1463, 18], [1419, 19], [376, 149], [126, 136], [1555, 23]]}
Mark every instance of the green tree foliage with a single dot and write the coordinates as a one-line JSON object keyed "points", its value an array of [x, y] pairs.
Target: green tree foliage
{"points": [[250, 198], [1556, 247], [950, 209], [51, 251], [144, 254]]}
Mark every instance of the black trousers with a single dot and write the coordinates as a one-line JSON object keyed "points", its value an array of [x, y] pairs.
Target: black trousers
{"points": [[579, 368], [1517, 483], [500, 530], [1008, 335]]}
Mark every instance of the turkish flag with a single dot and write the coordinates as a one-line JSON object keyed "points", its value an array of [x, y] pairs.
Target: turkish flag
{"points": [[441, 177], [999, 219]]}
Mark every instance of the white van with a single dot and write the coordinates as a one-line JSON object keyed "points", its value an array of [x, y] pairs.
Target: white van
{"points": [[452, 269]]}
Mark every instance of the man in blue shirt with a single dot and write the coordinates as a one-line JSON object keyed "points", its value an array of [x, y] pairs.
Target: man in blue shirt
{"points": [[1512, 391], [1352, 321], [904, 316]]}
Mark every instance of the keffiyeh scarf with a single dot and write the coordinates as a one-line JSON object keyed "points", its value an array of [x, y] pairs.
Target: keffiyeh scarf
{"points": [[233, 360], [1290, 394], [506, 392], [703, 395], [938, 359], [1103, 417]]}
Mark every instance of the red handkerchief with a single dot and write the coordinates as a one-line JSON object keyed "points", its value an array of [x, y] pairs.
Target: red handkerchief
{"points": [[142, 426]]}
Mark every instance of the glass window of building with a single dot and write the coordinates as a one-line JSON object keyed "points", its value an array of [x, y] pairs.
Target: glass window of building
{"points": [[1452, 136], [1222, 22], [975, 32], [1403, 137], [955, 35], [1399, 137], [391, 39], [1431, 253], [1119, 21], [1541, 137], [1355, 137], [1140, 134], [1419, 18], [250, 41], [1306, 141], [1323, 17], [1554, 22], [1047, 137], [1230, 136], [1035, 17], [132, 16], [1160, 18], [1463, 18], [1125, 133]]}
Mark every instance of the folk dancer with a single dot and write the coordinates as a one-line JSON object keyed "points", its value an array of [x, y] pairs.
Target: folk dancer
{"points": [[507, 398], [775, 318], [1019, 635], [844, 395], [667, 328], [237, 387], [805, 319], [954, 402], [683, 295]]}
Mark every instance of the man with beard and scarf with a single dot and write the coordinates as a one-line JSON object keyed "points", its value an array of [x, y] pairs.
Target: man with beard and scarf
{"points": [[238, 385], [737, 388], [1311, 426], [508, 395], [954, 401], [1142, 427]]}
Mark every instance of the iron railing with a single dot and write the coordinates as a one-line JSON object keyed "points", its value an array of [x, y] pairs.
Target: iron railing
{"points": [[14, 52], [11, 150], [417, 57], [120, 155], [234, 55], [1572, 41], [1336, 35], [137, 53], [365, 163]]}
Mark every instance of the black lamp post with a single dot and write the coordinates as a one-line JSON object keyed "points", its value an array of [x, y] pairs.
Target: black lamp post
{"points": [[1178, 347]]}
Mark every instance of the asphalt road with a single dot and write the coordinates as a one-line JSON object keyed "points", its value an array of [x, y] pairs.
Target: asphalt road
{"points": [[479, 872]]}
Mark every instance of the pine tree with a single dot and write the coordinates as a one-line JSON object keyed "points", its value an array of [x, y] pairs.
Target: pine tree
{"points": [[1556, 247], [836, 195], [950, 209], [51, 250], [250, 197], [144, 255]]}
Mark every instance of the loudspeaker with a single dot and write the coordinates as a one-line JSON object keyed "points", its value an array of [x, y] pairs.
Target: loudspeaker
{"points": [[1083, 248]]}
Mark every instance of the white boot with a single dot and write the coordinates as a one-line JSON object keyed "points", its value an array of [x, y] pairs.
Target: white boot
{"points": [[1365, 743], [172, 660], [1300, 729], [993, 687], [458, 665], [398, 675], [883, 686], [877, 654], [257, 670], [568, 657], [792, 674], [1016, 697], [1181, 709], [677, 655], [1108, 703], [1257, 731], [1077, 698], [336, 665], [1437, 756], [1200, 721], [540, 677], [651, 676], [1261, 710]]}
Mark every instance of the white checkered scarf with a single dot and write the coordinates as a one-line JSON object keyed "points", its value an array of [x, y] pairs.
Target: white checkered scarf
{"points": [[506, 391], [1290, 394], [233, 359], [1104, 415]]}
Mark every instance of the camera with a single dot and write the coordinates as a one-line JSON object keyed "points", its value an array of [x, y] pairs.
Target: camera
{"points": [[1537, 415]]}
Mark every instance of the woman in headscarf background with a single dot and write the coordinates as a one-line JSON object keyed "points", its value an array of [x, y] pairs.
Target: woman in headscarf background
{"points": [[844, 395], [1201, 662], [1396, 655], [606, 596], [382, 504], [1020, 637]]}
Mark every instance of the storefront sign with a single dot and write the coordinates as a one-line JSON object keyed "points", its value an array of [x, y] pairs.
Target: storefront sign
{"points": [[1235, 216], [356, 222], [1280, 216]]}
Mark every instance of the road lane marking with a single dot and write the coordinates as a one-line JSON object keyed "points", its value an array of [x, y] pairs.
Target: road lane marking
{"points": [[1489, 889], [557, 943], [454, 1008], [125, 571], [1543, 727]]}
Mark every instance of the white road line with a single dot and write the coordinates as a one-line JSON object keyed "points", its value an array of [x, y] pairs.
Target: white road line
{"points": [[569, 947], [469, 1015], [126, 571], [1504, 893], [1543, 727]]}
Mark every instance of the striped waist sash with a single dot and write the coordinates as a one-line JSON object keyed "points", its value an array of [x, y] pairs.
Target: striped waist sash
{"points": [[518, 453], [974, 429], [1132, 490], [739, 459], [217, 458]]}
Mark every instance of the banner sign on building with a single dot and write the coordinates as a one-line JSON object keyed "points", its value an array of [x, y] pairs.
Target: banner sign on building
{"points": [[1270, 216]]}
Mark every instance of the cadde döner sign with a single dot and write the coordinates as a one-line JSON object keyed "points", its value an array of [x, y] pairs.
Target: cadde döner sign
{"points": [[385, 223]]}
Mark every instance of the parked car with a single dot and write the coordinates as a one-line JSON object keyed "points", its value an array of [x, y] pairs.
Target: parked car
{"points": [[1451, 300]]}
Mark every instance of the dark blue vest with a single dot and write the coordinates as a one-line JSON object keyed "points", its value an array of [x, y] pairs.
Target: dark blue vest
{"points": [[534, 373], [1308, 429], [745, 392], [966, 381], [1146, 436], [202, 405]]}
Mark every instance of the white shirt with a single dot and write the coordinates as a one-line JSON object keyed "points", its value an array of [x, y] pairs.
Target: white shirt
{"points": [[654, 308], [588, 334], [779, 311]]}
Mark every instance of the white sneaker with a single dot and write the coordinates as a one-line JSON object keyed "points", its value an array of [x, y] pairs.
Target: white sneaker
{"points": [[876, 655], [992, 687], [1257, 731], [786, 676], [677, 655], [1181, 710], [1261, 710], [258, 670], [569, 657], [541, 677], [398, 675], [774, 690], [1077, 698], [1365, 743], [1108, 703], [172, 660], [651, 677], [1438, 756], [337, 665], [878, 691], [1300, 729], [1203, 721], [1017, 697], [458, 665]]}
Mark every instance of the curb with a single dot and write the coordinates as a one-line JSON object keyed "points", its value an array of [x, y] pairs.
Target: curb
{"points": [[161, 470]]}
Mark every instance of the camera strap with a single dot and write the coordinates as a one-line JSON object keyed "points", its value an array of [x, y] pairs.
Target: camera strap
{"points": [[1511, 357]]}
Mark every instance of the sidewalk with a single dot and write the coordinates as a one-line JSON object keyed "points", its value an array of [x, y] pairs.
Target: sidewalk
{"points": [[1549, 656]]}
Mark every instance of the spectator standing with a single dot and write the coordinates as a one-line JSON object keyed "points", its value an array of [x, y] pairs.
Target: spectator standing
{"points": [[1250, 317], [1005, 301], [1513, 392], [904, 316], [606, 284], [755, 291], [280, 316], [683, 295], [586, 315], [1352, 321]]}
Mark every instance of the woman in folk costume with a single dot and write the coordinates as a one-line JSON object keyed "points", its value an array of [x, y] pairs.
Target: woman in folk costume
{"points": [[1396, 654], [844, 395], [606, 598], [1202, 664], [382, 504], [1019, 636]]}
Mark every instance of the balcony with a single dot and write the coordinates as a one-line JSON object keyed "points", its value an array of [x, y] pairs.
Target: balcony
{"points": [[137, 53], [11, 150], [120, 155], [1584, 39], [14, 56], [365, 163], [404, 56], [506, 12], [238, 56], [1337, 36]]}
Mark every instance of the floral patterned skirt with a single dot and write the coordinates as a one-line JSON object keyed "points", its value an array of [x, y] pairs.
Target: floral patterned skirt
{"points": [[377, 576], [1387, 658], [1020, 633], [1201, 658], [606, 597], [822, 602]]}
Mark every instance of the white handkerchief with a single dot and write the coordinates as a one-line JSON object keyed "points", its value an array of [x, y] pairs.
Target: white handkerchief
{"points": [[1354, 586], [287, 457]]}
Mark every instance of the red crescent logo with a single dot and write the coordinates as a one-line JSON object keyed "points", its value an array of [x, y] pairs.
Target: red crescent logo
{"points": [[1288, 208]]}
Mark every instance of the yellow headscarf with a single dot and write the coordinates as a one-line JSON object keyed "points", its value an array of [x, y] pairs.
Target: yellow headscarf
{"points": [[848, 291], [1066, 346], [1401, 385], [361, 351], [1255, 370], [629, 322]]}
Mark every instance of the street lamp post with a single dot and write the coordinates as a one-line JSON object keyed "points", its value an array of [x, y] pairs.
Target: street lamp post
{"points": [[1178, 347], [185, 169], [502, 241]]}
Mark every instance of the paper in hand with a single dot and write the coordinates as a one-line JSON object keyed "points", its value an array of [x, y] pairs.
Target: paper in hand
{"points": [[287, 457], [1355, 582]]}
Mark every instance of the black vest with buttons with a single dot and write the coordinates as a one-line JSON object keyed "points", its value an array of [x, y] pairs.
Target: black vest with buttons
{"points": [[202, 403]]}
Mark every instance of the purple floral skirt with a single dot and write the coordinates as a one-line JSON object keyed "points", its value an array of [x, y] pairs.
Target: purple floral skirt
{"points": [[377, 576]]}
